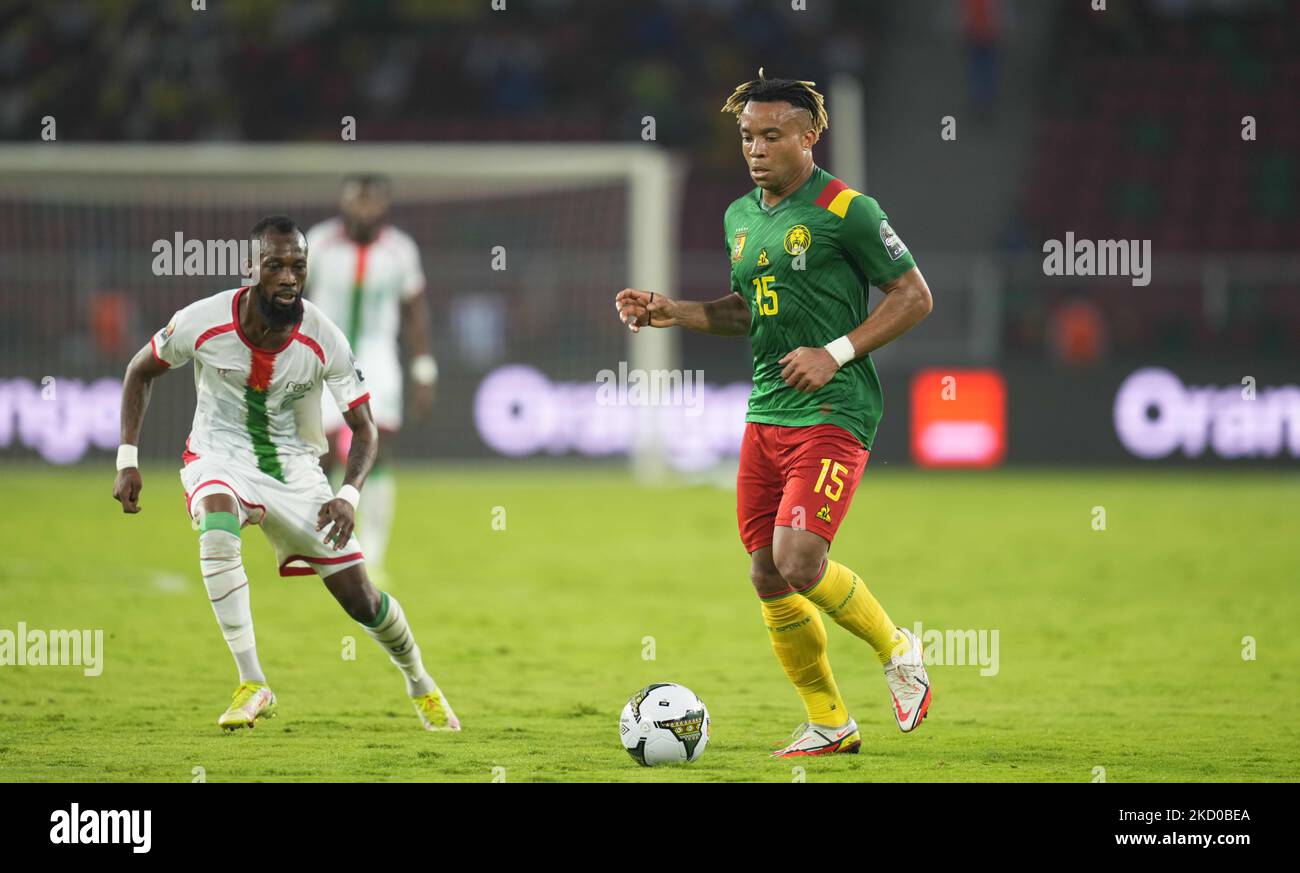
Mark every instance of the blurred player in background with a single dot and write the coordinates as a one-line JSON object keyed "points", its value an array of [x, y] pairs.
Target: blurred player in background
{"points": [[804, 248], [366, 277], [263, 360]]}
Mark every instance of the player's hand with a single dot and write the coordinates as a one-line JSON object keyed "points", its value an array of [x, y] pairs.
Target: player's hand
{"points": [[807, 369], [126, 489], [340, 514], [637, 309], [422, 402]]}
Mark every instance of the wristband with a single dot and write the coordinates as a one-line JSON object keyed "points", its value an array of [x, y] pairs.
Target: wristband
{"points": [[841, 350], [349, 494], [126, 457], [424, 370]]}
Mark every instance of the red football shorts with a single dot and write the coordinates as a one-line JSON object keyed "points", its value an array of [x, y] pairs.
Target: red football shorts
{"points": [[798, 477]]}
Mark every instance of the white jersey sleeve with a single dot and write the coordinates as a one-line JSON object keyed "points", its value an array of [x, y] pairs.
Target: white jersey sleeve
{"points": [[174, 344], [343, 377]]}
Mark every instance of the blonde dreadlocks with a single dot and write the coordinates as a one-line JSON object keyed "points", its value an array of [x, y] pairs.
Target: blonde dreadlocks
{"points": [[797, 93]]}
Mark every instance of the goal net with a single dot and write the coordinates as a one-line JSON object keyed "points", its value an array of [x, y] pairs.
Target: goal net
{"points": [[523, 247]]}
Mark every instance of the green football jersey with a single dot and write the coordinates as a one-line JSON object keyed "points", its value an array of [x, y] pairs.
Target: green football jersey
{"points": [[804, 266]]}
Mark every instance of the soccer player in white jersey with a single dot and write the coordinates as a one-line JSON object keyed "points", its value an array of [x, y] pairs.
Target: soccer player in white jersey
{"points": [[263, 358], [366, 278]]}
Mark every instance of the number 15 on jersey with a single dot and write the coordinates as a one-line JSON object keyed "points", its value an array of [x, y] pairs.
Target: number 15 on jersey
{"points": [[765, 301]]}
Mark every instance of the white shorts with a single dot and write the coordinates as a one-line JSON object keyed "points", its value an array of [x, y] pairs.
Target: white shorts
{"points": [[286, 511], [384, 382]]}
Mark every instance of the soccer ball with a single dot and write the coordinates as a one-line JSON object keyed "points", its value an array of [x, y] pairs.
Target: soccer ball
{"points": [[664, 723]]}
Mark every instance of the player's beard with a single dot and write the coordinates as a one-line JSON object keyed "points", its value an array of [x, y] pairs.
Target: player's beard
{"points": [[279, 317], [361, 232]]}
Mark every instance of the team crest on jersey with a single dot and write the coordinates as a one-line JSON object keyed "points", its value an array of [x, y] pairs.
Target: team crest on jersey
{"points": [[893, 244], [797, 240], [762, 258], [738, 247]]}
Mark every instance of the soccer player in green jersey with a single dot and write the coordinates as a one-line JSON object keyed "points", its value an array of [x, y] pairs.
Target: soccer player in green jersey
{"points": [[804, 248]]}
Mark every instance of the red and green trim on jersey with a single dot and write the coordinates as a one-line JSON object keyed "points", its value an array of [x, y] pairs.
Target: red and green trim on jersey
{"points": [[358, 285], [257, 419], [257, 416]]}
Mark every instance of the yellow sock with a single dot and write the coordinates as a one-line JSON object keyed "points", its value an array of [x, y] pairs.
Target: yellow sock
{"points": [[842, 595], [799, 640]]}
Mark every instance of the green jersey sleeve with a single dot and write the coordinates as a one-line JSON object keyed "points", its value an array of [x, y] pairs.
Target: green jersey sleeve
{"points": [[869, 240]]}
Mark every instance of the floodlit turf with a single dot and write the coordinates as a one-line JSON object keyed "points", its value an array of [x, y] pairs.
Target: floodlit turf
{"points": [[1118, 649]]}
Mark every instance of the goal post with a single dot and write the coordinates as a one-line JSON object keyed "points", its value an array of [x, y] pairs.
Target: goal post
{"points": [[555, 201]]}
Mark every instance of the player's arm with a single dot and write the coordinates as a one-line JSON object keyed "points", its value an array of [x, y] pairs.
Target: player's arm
{"points": [[726, 316], [365, 444], [416, 329], [136, 388], [338, 516], [871, 243], [347, 385], [907, 301]]}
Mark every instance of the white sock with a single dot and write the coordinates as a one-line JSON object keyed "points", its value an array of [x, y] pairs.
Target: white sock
{"points": [[375, 516], [223, 575], [393, 633]]}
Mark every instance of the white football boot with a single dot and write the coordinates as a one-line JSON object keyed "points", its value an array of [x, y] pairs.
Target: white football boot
{"points": [[909, 684], [818, 739]]}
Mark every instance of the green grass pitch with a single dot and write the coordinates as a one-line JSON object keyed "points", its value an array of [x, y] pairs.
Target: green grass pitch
{"points": [[1118, 649]]}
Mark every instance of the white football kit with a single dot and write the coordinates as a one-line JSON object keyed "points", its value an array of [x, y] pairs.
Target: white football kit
{"points": [[360, 287], [257, 431]]}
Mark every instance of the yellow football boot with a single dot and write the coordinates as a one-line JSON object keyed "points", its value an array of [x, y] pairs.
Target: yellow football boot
{"points": [[252, 700]]}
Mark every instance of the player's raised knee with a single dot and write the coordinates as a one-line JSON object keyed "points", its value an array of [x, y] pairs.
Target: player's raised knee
{"points": [[352, 589], [767, 582], [365, 607], [220, 546], [800, 568]]}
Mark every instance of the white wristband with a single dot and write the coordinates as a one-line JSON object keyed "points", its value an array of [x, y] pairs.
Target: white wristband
{"points": [[424, 370], [841, 350], [126, 457], [350, 494]]}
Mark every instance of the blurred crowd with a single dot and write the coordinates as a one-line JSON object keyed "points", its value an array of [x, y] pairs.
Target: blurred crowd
{"points": [[405, 69], [1126, 141]]}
